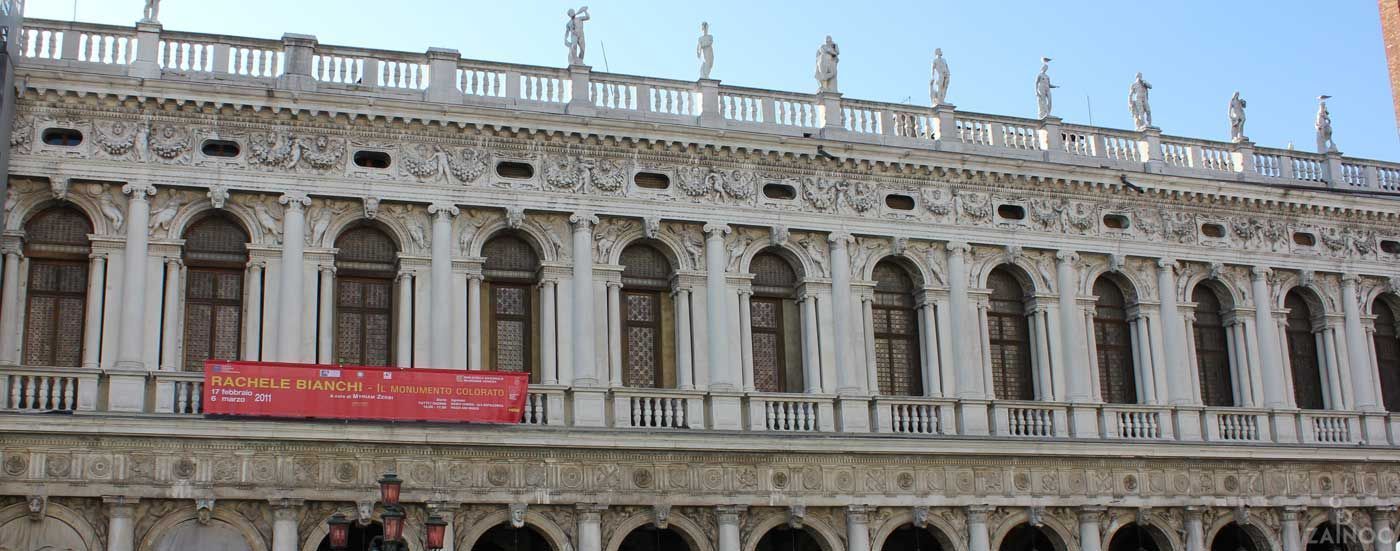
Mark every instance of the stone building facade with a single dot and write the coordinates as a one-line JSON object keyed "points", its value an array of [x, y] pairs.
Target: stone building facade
{"points": [[753, 320]]}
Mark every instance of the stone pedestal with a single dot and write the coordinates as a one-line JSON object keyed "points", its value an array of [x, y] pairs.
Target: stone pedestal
{"points": [[710, 115], [442, 76], [945, 126], [590, 407], [298, 50], [973, 418], [1188, 423], [579, 103], [146, 64], [830, 103], [726, 411], [1083, 421], [853, 413], [126, 391]]}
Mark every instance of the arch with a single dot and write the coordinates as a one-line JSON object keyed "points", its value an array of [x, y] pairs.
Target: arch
{"points": [[1229, 296], [1302, 321], [1128, 281], [897, 332], [55, 309], [1012, 532], [948, 536], [30, 204], [557, 537], [923, 270], [798, 259], [1008, 336], [1131, 536], [1386, 343], [320, 530], [1164, 536], [197, 211], [1329, 536], [1059, 534], [694, 536], [1213, 349], [533, 234], [1032, 277], [645, 265], [66, 524], [666, 243], [1228, 535], [391, 226], [1114, 344], [827, 538], [188, 516], [1258, 531]]}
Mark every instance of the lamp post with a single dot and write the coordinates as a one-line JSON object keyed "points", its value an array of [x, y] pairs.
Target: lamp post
{"points": [[392, 540]]}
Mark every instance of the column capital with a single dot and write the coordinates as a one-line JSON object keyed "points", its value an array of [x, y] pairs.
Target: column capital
{"points": [[840, 238], [678, 291], [730, 511], [447, 209], [327, 269], [859, 513], [583, 221], [978, 513], [295, 200], [1193, 512], [139, 191], [721, 228], [11, 247], [1091, 513], [1165, 264], [958, 248], [174, 260], [613, 284], [120, 506], [1291, 512], [1066, 256], [590, 511], [1351, 278], [1260, 272], [1384, 509]]}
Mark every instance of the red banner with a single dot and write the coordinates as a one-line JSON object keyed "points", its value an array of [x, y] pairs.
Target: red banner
{"points": [[349, 392]]}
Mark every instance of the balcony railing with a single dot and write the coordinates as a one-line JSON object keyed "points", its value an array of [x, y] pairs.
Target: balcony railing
{"points": [[442, 76]]}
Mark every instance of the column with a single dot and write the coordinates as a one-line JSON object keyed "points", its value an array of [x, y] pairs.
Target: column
{"points": [[590, 535], [549, 363], [928, 332], [858, 527], [847, 377], [9, 307], [1079, 387], [1358, 352], [615, 333], [969, 366], [440, 293], [721, 376], [1290, 532], [252, 327], [746, 338], [129, 351], [1040, 346], [1177, 373], [872, 375], [285, 513], [1089, 536], [403, 316], [1274, 376], [121, 535], [728, 516], [977, 537], [585, 370], [685, 379], [92, 322], [170, 312], [1383, 527], [475, 347], [289, 309], [1195, 531], [811, 356], [325, 317]]}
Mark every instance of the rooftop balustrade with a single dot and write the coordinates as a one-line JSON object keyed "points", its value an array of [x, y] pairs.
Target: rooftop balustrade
{"points": [[299, 62]]}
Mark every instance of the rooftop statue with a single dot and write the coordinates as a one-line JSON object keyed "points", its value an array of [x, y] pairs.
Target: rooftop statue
{"points": [[573, 35], [704, 51], [827, 57], [1237, 105], [1138, 104], [1324, 127], [938, 81], [1043, 87], [151, 13]]}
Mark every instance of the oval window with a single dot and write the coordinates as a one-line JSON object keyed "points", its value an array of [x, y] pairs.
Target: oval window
{"points": [[66, 137], [899, 202], [1390, 247], [1115, 221], [219, 148], [651, 180], [1011, 212], [1304, 239], [372, 159], [1213, 231], [512, 169], [779, 191]]}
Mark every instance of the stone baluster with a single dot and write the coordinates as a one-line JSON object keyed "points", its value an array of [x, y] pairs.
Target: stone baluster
{"points": [[440, 294], [121, 534], [92, 321], [475, 346], [978, 539], [289, 297], [1089, 536], [729, 517], [1290, 532], [285, 514], [589, 526], [325, 315], [858, 527], [685, 379], [9, 306]]}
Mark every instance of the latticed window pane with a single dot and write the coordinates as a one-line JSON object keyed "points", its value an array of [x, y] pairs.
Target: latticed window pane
{"points": [[364, 319], [766, 325], [509, 257], [510, 349], [1302, 353], [1117, 379], [366, 244], [1009, 339], [897, 367], [376, 337], [642, 345], [645, 267], [512, 309], [213, 315], [1212, 350], [216, 241], [772, 272], [57, 305], [1387, 356], [510, 301]]}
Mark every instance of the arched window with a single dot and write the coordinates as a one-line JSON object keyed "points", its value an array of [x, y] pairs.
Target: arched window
{"points": [[215, 254], [1114, 343], [510, 270], [56, 243], [505, 537], [1008, 335], [774, 285], [1302, 353], [1025, 537], [646, 274], [1387, 356], [896, 332], [365, 265], [1212, 349]]}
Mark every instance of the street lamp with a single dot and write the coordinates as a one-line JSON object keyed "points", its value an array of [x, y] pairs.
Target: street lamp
{"points": [[393, 516]]}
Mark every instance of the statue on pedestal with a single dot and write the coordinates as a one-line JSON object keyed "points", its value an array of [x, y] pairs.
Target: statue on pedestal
{"points": [[1137, 103], [1042, 88], [1237, 105], [938, 81], [704, 51], [151, 12], [827, 57], [1324, 127], [573, 35]]}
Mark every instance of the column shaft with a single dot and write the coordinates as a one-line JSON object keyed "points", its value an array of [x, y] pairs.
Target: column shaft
{"points": [[1358, 351], [1290, 532], [9, 309], [289, 312], [968, 364], [170, 327], [746, 339], [325, 317], [867, 313], [685, 378], [440, 294], [858, 528], [403, 347], [848, 379], [1075, 367], [716, 309], [977, 537], [584, 362], [811, 356], [284, 527], [130, 351], [1089, 529], [1270, 360], [476, 348], [252, 327], [121, 535], [729, 526], [92, 322], [1195, 531], [549, 362], [615, 334], [589, 529], [1175, 370]]}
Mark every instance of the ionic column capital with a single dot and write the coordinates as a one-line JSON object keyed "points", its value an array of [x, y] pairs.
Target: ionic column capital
{"points": [[583, 221], [1291, 513], [729, 514], [1167, 265], [978, 513], [591, 512], [859, 513], [1091, 513], [712, 228], [839, 239], [120, 506], [445, 210], [294, 200], [1066, 256], [139, 192], [1261, 273], [958, 248]]}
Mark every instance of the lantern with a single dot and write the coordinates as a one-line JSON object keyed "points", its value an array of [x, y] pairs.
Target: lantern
{"points": [[389, 489], [393, 523], [437, 532], [339, 531]]}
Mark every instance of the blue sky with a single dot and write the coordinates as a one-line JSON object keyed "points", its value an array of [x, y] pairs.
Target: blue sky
{"points": [[1279, 53]]}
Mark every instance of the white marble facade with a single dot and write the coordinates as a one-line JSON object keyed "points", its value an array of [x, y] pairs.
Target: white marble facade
{"points": [[299, 146]]}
